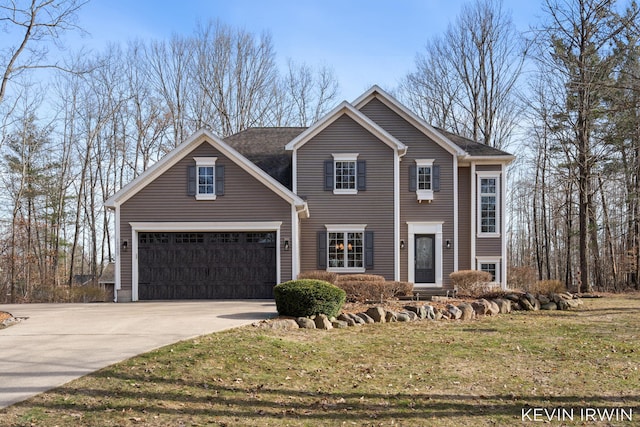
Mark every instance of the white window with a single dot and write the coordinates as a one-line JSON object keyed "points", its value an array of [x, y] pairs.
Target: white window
{"points": [[205, 178], [424, 179], [345, 173], [490, 265], [345, 248], [488, 204]]}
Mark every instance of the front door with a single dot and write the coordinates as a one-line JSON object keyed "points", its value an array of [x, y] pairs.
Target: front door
{"points": [[425, 262]]}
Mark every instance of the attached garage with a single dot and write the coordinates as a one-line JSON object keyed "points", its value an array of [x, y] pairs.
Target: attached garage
{"points": [[206, 265]]}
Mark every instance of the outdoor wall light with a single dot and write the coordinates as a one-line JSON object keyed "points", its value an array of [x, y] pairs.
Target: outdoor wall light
{"points": [[401, 244], [125, 244], [286, 244], [448, 244]]}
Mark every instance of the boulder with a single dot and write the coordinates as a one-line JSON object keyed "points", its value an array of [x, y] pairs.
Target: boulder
{"points": [[504, 305], [532, 300], [357, 319], [437, 314], [377, 314], [366, 318], [516, 306], [390, 316], [282, 324], [544, 299], [513, 297], [347, 319], [494, 309], [419, 311], [339, 324], [455, 312], [412, 315], [306, 323], [481, 307], [403, 316], [431, 314], [323, 322], [549, 306], [525, 304], [467, 310]]}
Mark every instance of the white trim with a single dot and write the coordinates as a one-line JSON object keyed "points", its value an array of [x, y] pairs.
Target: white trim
{"points": [[474, 210], [346, 228], [294, 171], [433, 227], [489, 175], [504, 225], [396, 216], [345, 157], [456, 215], [364, 121], [118, 275], [294, 244], [341, 228], [182, 150], [205, 162], [137, 227], [424, 194], [497, 260]]}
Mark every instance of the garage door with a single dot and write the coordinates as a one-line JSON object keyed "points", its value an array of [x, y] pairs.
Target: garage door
{"points": [[206, 265]]}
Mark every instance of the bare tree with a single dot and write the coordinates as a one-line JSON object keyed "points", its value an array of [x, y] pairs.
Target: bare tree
{"points": [[310, 92], [466, 79], [33, 25]]}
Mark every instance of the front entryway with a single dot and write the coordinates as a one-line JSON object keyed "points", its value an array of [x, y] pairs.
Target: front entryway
{"points": [[425, 258], [199, 265]]}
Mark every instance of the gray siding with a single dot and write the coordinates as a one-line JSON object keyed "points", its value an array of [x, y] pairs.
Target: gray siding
{"points": [[464, 218], [441, 208], [373, 207], [165, 200]]}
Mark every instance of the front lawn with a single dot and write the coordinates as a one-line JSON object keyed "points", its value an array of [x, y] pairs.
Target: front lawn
{"points": [[492, 371]]}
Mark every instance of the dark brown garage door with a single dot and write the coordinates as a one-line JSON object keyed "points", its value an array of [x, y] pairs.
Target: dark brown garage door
{"points": [[206, 265]]}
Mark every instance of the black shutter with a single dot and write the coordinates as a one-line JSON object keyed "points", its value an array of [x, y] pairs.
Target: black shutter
{"points": [[435, 179], [368, 249], [328, 175], [362, 175], [220, 180], [322, 250], [413, 177], [191, 181]]}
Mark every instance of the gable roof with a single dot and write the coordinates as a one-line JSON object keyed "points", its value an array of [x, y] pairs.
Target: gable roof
{"points": [[347, 109], [462, 147], [264, 146], [182, 150]]}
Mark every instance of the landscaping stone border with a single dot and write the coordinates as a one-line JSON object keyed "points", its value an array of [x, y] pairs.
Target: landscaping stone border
{"points": [[462, 310]]}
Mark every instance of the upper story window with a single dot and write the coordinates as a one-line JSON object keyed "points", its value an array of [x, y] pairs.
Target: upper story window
{"points": [[345, 174], [488, 203], [205, 179], [424, 178]]}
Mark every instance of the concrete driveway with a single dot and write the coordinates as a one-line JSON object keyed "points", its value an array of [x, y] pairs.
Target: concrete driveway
{"points": [[61, 342]]}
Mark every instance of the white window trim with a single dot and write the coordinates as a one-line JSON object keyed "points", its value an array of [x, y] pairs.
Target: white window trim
{"points": [[425, 228], [205, 162], [345, 157], [346, 228], [479, 176], [491, 260], [424, 194]]}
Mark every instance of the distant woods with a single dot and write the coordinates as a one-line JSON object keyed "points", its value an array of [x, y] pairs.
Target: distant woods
{"points": [[563, 96], [104, 118]]}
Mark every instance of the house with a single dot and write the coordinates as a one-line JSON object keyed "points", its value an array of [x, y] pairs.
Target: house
{"points": [[369, 188]]}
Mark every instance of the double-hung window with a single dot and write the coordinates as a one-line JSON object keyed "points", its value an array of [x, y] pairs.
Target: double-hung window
{"points": [[488, 204], [345, 248], [205, 178], [424, 179], [345, 174]]}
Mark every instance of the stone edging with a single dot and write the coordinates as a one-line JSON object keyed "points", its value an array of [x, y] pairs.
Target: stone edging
{"points": [[513, 301]]}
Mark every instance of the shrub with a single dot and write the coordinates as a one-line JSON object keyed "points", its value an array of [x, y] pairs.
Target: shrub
{"points": [[546, 287], [471, 282], [361, 278], [521, 277], [326, 276], [361, 291], [400, 289], [307, 297]]}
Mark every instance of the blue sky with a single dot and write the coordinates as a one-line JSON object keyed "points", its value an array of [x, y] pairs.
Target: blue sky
{"points": [[365, 42]]}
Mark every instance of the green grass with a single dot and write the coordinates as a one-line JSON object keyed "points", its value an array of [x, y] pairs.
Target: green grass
{"points": [[445, 373]]}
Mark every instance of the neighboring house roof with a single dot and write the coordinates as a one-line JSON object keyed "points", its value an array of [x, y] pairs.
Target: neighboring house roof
{"points": [[183, 150], [265, 147]]}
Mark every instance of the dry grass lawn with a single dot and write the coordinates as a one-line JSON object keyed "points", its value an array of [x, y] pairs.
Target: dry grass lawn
{"points": [[483, 372]]}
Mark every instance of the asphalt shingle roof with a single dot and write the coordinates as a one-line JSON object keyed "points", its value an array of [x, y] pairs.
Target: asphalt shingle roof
{"points": [[472, 147]]}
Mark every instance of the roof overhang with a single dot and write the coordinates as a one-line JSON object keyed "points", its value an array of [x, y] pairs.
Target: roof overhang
{"points": [[347, 109], [183, 150]]}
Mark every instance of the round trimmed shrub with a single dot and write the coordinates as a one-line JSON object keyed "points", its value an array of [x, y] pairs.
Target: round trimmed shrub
{"points": [[307, 297]]}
